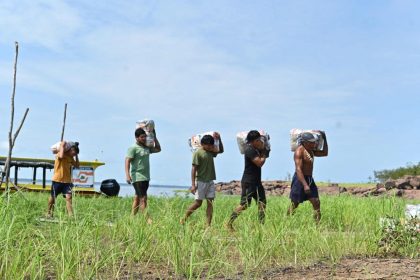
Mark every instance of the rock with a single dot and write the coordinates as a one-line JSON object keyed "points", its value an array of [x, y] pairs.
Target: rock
{"points": [[403, 187], [403, 184], [228, 192], [380, 185], [415, 182], [390, 184], [342, 189], [396, 192], [399, 193], [380, 191]]}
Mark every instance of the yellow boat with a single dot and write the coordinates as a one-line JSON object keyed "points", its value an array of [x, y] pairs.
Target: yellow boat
{"points": [[83, 177]]}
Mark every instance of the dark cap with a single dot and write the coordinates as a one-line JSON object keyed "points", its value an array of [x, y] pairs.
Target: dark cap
{"points": [[139, 131], [75, 146], [207, 140], [308, 137], [253, 135]]}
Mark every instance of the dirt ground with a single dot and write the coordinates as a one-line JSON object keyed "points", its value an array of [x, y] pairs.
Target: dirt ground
{"points": [[367, 268], [371, 268]]}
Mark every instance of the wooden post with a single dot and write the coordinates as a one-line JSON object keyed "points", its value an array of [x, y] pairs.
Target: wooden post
{"points": [[64, 122], [44, 176], [34, 177], [16, 174], [12, 117]]}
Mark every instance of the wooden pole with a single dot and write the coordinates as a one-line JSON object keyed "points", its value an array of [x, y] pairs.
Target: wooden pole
{"points": [[12, 139], [64, 121]]}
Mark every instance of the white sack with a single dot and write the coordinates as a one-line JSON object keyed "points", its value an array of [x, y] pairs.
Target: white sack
{"points": [[412, 211], [148, 126], [195, 141], [56, 146], [241, 140], [295, 134]]}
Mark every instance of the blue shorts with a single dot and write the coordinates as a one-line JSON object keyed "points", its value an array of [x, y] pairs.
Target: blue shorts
{"points": [[64, 188], [297, 194]]}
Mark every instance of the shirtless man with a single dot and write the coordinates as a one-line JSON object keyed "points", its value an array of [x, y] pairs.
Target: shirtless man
{"points": [[303, 184]]}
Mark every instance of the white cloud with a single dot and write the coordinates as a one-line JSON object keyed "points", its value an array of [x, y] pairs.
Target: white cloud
{"points": [[174, 73], [169, 75], [44, 23]]}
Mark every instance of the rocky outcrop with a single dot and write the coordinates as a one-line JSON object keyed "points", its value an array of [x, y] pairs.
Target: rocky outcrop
{"points": [[407, 186], [271, 187]]}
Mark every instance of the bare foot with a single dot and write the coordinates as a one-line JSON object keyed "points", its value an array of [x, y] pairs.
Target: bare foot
{"points": [[149, 221], [182, 221]]}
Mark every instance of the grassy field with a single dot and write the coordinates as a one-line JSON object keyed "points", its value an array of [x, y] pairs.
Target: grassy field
{"points": [[104, 242]]}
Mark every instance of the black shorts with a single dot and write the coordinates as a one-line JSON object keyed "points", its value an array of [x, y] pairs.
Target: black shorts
{"points": [[141, 188], [64, 188], [297, 193], [252, 191]]}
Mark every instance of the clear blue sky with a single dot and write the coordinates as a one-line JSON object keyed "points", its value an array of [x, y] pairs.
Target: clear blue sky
{"points": [[351, 68]]}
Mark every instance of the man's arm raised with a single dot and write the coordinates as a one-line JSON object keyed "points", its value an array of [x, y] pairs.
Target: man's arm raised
{"points": [[221, 149], [76, 162], [60, 153], [324, 151], [156, 148]]}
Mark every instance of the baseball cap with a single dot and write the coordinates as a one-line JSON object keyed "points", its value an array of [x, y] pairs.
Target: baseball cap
{"points": [[308, 137]]}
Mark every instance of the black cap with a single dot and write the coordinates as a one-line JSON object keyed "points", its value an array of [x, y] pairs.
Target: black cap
{"points": [[308, 137]]}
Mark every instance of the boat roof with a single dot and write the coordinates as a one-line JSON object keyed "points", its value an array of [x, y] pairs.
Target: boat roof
{"points": [[37, 162]]}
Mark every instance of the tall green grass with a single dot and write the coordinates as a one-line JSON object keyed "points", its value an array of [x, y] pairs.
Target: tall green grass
{"points": [[104, 241]]}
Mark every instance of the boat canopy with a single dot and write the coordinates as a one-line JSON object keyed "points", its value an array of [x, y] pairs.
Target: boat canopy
{"points": [[43, 163]]}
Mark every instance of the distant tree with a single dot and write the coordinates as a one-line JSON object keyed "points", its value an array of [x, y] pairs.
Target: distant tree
{"points": [[410, 169]]}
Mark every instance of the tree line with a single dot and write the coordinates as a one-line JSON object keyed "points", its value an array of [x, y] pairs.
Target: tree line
{"points": [[410, 169]]}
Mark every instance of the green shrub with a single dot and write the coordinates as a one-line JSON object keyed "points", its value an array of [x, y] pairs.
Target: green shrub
{"points": [[410, 169]]}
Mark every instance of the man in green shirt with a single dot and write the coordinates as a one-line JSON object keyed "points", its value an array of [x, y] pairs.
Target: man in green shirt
{"points": [[139, 174], [202, 176]]}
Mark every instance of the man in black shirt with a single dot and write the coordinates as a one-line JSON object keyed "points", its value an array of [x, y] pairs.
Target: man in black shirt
{"points": [[255, 157]]}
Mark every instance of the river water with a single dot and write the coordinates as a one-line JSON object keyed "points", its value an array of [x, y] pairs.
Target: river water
{"points": [[155, 190], [127, 190]]}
